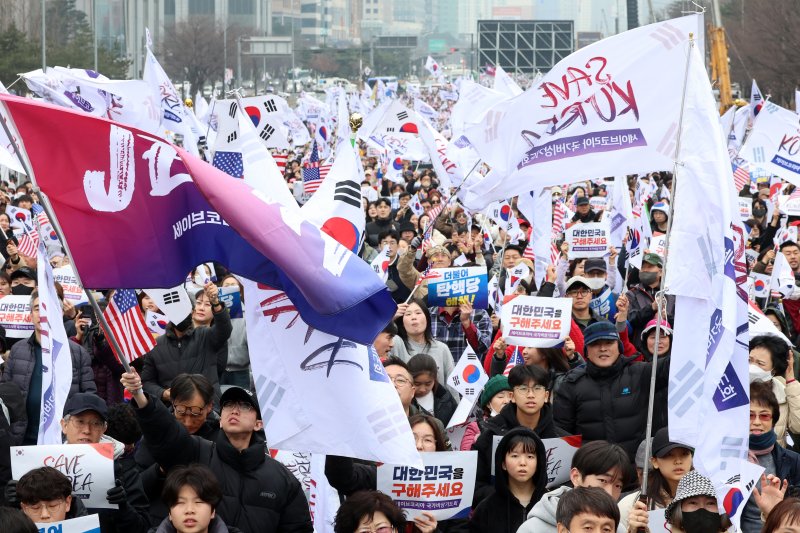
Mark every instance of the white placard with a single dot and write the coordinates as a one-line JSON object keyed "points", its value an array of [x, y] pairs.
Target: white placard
{"points": [[90, 468], [598, 203], [535, 321], [15, 316], [559, 452], [789, 206], [658, 245], [69, 282], [588, 240], [82, 524], [745, 208]]}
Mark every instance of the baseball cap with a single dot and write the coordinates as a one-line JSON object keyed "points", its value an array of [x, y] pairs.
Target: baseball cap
{"points": [[650, 257], [577, 280], [595, 264], [582, 200], [662, 445], [238, 394], [665, 327], [24, 272], [86, 401]]}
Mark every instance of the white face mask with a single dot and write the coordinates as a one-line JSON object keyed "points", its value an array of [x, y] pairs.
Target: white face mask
{"points": [[595, 283], [759, 374]]}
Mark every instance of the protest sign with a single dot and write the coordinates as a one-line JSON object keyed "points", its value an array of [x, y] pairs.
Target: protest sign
{"points": [[73, 292], [15, 316], [90, 468], [536, 321], [788, 205], [82, 524], [598, 203], [745, 208], [298, 463], [449, 287], [588, 240], [658, 245], [444, 488], [559, 452], [232, 298], [657, 522]]}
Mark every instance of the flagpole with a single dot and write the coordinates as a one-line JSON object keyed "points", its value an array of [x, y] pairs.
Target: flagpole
{"points": [[660, 295]]}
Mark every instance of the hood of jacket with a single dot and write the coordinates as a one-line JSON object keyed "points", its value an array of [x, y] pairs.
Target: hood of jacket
{"points": [[781, 318], [545, 509], [540, 474]]}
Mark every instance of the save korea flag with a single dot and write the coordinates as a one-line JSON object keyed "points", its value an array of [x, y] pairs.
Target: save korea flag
{"points": [[139, 212], [609, 109]]}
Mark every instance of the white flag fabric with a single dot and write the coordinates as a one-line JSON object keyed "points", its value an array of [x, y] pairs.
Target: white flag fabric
{"points": [[782, 279], [620, 212], [761, 325], [56, 358], [774, 144], [468, 376], [50, 86], [726, 122], [537, 206], [610, 108], [504, 84], [336, 206], [392, 126], [756, 97], [267, 114], [426, 111], [503, 215], [354, 410], [706, 270], [474, 101], [447, 172], [738, 130], [797, 101]]}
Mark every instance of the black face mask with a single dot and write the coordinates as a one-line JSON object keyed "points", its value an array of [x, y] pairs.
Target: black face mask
{"points": [[184, 324], [22, 290], [758, 213], [701, 521]]}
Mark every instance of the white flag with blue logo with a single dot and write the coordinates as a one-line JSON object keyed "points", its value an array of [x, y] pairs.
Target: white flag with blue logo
{"points": [[56, 358]]}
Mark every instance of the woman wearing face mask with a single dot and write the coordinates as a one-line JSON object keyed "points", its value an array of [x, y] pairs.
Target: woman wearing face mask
{"points": [[765, 450], [695, 508], [772, 361], [767, 227], [496, 395]]}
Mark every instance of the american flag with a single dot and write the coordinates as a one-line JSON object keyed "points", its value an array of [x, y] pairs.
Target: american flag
{"points": [[127, 325], [424, 275], [741, 176], [516, 359], [553, 253], [280, 160], [28, 243], [231, 163], [312, 175], [528, 253], [559, 215]]}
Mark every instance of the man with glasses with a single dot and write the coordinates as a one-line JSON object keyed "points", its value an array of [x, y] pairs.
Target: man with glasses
{"points": [[529, 408], [45, 495], [259, 493], [607, 399]]}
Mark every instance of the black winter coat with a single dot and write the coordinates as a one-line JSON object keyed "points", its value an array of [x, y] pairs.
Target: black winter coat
{"points": [[444, 405], [130, 518], [502, 512], [609, 403], [375, 228], [500, 425], [259, 495], [198, 351]]}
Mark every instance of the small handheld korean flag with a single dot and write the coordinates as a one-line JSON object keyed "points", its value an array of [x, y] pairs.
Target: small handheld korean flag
{"points": [[782, 279], [174, 302], [381, 264], [468, 376], [514, 276]]}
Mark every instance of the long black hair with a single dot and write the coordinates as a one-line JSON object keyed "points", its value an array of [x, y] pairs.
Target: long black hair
{"points": [[401, 328]]}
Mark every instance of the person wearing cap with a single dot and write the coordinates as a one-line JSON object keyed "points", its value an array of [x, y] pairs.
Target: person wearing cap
{"points": [[694, 508], [23, 281], [604, 300], [407, 231], [659, 217], [584, 212], [496, 394], [259, 494], [383, 222], [24, 368], [669, 462], [604, 400], [642, 304]]}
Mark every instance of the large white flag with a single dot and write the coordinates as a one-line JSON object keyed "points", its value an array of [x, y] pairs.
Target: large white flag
{"points": [[319, 393], [473, 102], [537, 206], [504, 84], [737, 133], [619, 212], [706, 270], [610, 108], [774, 143], [426, 111], [56, 358]]}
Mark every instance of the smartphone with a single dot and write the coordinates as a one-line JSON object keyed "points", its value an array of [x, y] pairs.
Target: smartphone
{"points": [[87, 312]]}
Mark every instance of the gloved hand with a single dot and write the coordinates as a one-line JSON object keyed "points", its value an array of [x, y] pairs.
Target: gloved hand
{"points": [[415, 242], [11, 493], [117, 495]]}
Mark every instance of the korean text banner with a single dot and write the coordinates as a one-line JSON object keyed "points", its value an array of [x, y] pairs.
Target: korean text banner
{"points": [[89, 467], [535, 321], [449, 287], [611, 108], [163, 211], [588, 240], [82, 524], [443, 488], [15, 316]]}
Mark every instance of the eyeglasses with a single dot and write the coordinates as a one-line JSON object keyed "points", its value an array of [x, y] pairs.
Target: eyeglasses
{"points": [[400, 380], [579, 292], [183, 410], [94, 425], [51, 506], [764, 417], [382, 529], [242, 407], [524, 389]]}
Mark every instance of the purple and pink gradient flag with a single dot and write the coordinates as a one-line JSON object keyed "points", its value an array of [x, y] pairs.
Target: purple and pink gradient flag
{"points": [[139, 212]]}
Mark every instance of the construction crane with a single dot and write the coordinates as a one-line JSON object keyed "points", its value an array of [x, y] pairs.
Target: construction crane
{"points": [[720, 71]]}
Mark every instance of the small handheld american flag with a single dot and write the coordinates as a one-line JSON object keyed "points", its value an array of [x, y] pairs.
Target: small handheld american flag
{"points": [[127, 325], [516, 359], [312, 178]]}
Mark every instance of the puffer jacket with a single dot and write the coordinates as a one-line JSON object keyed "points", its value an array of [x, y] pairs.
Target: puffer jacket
{"points": [[198, 351], [542, 517], [608, 403], [500, 425], [22, 359], [502, 512], [259, 495]]}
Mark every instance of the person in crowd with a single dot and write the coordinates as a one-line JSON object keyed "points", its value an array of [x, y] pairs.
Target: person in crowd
{"points": [[23, 279], [766, 451], [237, 457], [403, 382], [384, 342], [237, 369], [5, 284], [185, 349], [584, 212], [400, 291], [106, 368], [436, 256], [772, 360], [430, 394], [791, 304], [784, 517], [192, 494], [496, 394], [642, 303], [602, 282], [694, 508], [462, 326], [369, 510], [659, 217], [24, 368], [529, 408], [415, 331], [45, 495], [587, 509], [15, 521], [597, 464], [382, 222], [648, 344], [670, 461], [585, 404], [520, 482]]}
